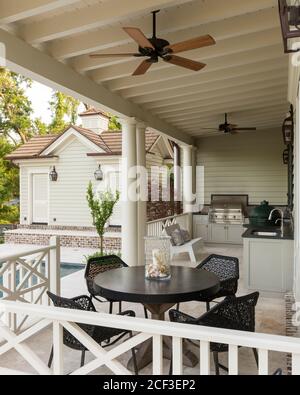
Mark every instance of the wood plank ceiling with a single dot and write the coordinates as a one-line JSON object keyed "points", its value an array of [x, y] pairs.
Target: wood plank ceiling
{"points": [[246, 73]]}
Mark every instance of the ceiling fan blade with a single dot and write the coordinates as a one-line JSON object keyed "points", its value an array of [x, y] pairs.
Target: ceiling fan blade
{"points": [[243, 129], [217, 130], [194, 43], [139, 37], [143, 68], [186, 63], [112, 55]]}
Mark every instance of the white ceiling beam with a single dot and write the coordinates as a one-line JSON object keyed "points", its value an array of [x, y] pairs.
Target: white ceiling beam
{"points": [[193, 85], [29, 61], [16, 10], [92, 17], [122, 73], [198, 135], [223, 30], [243, 91], [171, 74], [243, 116], [251, 122], [234, 84], [223, 108], [197, 14], [197, 108]]}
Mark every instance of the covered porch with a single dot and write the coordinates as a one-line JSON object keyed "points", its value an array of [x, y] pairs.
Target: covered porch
{"points": [[247, 76]]}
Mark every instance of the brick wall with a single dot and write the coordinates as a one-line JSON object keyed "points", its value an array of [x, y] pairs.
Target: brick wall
{"points": [[110, 243]]}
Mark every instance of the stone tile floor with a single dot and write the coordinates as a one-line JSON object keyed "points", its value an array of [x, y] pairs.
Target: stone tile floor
{"points": [[270, 315]]}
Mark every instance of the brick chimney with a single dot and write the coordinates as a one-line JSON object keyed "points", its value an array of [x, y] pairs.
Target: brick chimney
{"points": [[94, 120]]}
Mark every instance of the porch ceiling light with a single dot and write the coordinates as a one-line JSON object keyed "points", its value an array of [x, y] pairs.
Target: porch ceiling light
{"points": [[53, 175], [289, 11], [288, 128], [99, 174]]}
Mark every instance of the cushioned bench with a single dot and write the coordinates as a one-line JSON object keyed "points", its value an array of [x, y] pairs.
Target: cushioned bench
{"points": [[191, 247]]}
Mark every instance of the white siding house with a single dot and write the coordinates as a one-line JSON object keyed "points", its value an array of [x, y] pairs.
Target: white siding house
{"points": [[75, 154]]}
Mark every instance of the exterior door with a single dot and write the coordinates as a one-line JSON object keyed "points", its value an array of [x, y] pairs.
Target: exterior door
{"points": [[40, 198]]}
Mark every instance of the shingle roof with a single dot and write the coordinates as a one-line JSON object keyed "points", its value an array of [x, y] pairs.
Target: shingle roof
{"points": [[93, 111], [114, 140], [32, 148], [110, 142]]}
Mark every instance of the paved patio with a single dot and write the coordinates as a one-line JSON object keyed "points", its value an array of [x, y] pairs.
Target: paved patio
{"points": [[270, 319]]}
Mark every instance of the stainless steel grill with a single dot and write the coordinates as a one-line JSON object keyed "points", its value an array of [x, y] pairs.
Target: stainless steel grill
{"points": [[226, 212]]}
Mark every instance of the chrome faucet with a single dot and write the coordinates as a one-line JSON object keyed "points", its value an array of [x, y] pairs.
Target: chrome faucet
{"points": [[279, 219]]}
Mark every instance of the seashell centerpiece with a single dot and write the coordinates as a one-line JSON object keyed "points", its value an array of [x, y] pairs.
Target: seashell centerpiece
{"points": [[157, 258]]}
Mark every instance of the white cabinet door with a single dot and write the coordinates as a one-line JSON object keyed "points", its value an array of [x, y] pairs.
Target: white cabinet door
{"points": [[40, 198], [234, 234], [218, 233], [201, 230]]}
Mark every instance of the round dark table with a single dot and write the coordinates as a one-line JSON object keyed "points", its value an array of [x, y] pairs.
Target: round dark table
{"points": [[158, 296]]}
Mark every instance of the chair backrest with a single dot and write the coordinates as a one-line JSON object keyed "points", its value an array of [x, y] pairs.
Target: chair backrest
{"points": [[224, 267], [233, 313], [99, 265], [79, 303]]}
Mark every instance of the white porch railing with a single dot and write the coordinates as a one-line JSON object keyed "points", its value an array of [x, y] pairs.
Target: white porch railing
{"points": [[27, 276], [146, 329], [157, 228]]}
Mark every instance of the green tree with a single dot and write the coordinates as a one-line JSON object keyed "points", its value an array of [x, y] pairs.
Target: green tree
{"points": [[15, 107], [9, 184], [101, 207], [64, 111], [114, 123]]}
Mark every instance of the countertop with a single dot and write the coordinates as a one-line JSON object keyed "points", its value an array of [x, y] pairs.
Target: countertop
{"points": [[288, 234]]}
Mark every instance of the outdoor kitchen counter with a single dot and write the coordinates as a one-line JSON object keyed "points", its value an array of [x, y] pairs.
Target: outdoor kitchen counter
{"points": [[288, 234], [268, 261]]}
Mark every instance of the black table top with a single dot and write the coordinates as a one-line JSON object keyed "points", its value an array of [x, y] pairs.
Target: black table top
{"points": [[130, 285]]}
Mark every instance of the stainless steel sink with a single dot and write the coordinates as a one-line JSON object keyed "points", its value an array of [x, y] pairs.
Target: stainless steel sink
{"points": [[265, 234]]}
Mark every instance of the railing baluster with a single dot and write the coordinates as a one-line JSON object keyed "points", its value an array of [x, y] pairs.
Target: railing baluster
{"points": [[58, 368], [296, 364], [263, 362], [204, 358], [177, 360], [233, 360], [157, 355]]}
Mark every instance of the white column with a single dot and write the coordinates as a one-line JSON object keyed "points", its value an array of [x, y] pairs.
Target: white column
{"points": [[142, 203], [187, 171], [177, 178], [129, 203], [188, 183]]}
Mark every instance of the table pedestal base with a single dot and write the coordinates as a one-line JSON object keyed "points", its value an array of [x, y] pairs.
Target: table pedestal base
{"points": [[144, 352]]}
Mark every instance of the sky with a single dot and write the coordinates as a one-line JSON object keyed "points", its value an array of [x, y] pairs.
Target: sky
{"points": [[40, 96]]}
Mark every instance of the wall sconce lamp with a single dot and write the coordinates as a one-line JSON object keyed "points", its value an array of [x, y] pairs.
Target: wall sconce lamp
{"points": [[289, 12], [53, 175], [288, 128], [99, 174], [286, 157]]}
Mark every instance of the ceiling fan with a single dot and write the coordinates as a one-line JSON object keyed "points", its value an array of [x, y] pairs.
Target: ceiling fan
{"points": [[230, 128], [156, 48]]}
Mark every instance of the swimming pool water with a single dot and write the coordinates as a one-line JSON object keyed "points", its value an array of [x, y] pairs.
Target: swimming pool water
{"points": [[65, 270]]}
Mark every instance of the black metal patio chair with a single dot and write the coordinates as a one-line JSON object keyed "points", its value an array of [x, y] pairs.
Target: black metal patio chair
{"points": [[99, 265], [226, 268], [97, 333], [233, 313]]}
